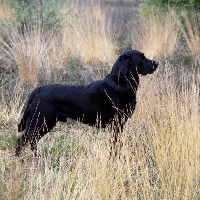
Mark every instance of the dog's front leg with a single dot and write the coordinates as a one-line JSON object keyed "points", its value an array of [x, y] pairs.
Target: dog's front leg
{"points": [[116, 139]]}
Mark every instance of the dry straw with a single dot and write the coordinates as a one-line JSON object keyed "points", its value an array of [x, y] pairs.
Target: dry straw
{"points": [[91, 36], [160, 158], [156, 36], [191, 34]]}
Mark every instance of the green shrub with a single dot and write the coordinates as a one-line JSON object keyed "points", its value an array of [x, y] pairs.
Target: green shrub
{"points": [[149, 7], [28, 12]]}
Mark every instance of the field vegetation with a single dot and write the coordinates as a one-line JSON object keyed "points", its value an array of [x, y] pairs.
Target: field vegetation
{"points": [[78, 42]]}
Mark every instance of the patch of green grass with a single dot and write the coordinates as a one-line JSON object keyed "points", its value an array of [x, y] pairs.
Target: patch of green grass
{"points": [[8, 139], [64, 145]]}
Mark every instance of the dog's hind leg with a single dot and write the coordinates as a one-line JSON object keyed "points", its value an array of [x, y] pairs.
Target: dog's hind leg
{"points": [[39, 131], [29, 135], [21, 141], [36, 128], [34, 139], [35, 136], [32, 136]]}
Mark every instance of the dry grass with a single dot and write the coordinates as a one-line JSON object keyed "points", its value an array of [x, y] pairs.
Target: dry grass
{"points": [[5, 11], [191, 33], [33, 50], [26, 50], [156, 36], [91, 37], [175, 129], [11, 104], [159, 160]]}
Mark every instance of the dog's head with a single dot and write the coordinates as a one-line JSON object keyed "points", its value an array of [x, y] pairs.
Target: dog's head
{"points": [[133, 61]]}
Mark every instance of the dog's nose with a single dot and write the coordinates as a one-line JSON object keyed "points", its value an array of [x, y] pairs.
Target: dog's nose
{"points": [[155, 64]]}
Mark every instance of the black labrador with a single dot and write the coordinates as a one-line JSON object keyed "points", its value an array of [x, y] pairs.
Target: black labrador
{"points": [[106, 103]]}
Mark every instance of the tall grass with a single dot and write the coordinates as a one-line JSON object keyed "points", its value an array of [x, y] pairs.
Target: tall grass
{"points": [[155, 36], [175, 131], [159, 159], [27, 49], [191, 34], [12, 102], [92, 36], [5, 11]]}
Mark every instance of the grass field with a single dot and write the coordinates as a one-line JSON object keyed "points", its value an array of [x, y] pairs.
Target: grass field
{"points": [[160, 158]]}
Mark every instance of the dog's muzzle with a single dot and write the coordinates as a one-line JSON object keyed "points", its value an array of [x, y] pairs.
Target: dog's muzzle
{"points": [[155, 64]]}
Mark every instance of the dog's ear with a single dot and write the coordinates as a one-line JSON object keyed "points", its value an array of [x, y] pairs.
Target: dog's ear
{"points": [[121, 65]]}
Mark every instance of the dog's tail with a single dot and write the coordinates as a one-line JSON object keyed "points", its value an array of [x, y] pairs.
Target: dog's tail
{"points": [[22, 124]]}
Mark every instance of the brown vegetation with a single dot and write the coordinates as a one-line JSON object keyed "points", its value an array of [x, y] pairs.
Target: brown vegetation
{"points": [[161, 155]]}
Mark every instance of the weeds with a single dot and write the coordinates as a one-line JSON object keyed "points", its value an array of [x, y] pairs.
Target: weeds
{"points": [[156, 36], [160, 156], [175, 131], [191, 34], [12, 103], [91, 37]]}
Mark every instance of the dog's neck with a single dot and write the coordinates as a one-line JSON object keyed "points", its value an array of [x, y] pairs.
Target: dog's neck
{"points": [[130, 79], [134, 79]]}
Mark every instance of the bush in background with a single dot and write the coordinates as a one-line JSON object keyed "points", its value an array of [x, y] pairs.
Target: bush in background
{"points": [[149, 7], [27, 12]]}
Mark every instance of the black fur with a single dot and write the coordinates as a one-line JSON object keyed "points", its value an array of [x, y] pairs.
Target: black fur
{"points": [[107, 102]]}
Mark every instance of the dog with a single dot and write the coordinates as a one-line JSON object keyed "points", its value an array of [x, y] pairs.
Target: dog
{"points": [[103, 103]]}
